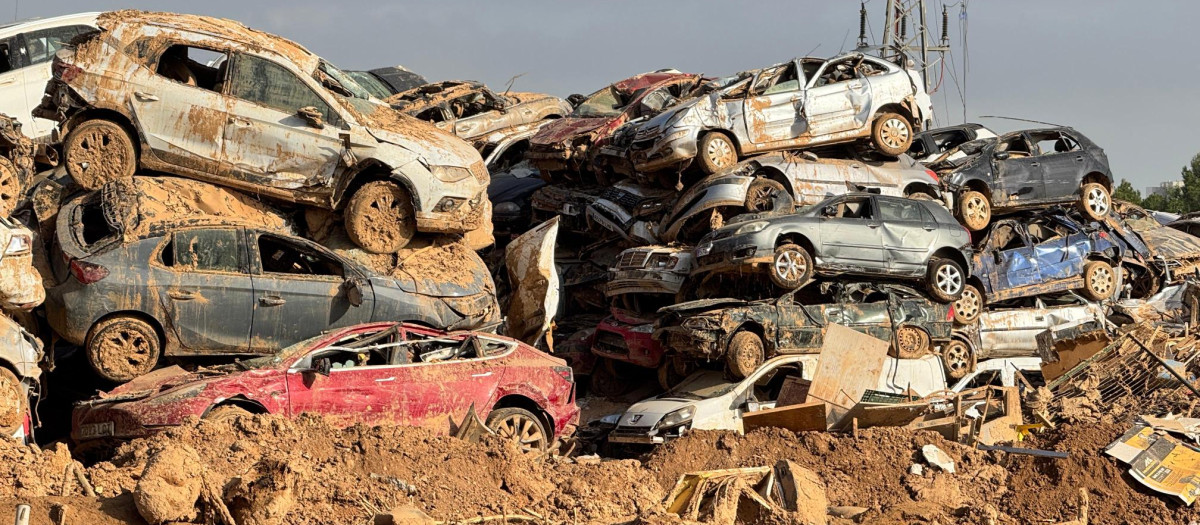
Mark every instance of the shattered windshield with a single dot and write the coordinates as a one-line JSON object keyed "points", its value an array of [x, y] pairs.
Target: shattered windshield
{"points": [[702, 385], [355, 97], [370, 83], [604, 103]]}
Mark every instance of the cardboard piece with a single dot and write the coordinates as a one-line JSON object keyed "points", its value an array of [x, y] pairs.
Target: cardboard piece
{"points": [[797, 418], [1160, 462], [850, 363]]}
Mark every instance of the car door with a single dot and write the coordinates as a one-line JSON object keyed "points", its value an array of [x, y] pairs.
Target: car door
{"points": [[1062, 163], [799, 327], [1012, 332], [907, 230], [775, 105], [1019, 173], [1060, 249], [300, 290], [41, 45], [815, 181], [473, 376], [851, 236], [356, 390], [872, 317], [205, 287], [13, 100], [266, 140], [835, 97]]}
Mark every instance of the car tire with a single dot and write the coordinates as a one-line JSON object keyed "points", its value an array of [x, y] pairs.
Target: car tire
{"points": [[911, 342], [226, 413], [521, 426], [11, 187], [762, 194], [99, 151], [14, 403], [969, 306], [945, 280], [672, 371], [745, 354], [1095, 201], [791, 267], [958, 359], [716, 151], [974, 210], [123, 347], [1099, 280], [605, 381], [380, 218], [891, 133]]}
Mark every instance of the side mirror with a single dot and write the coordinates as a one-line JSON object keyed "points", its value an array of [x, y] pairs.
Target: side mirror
{"points": [[311, 116], [1000, 155], [352, 287], [829, 211], [322, 366]]}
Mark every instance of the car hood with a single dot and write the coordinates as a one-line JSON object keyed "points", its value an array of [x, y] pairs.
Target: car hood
{"points": [[429, 144], [565, 129], [649, 412], [534, 300], [704, 304], [1171, 243], [165, 380], [507, 188]]}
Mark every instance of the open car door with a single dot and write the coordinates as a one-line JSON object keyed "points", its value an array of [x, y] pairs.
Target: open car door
{"points": [[534, 282]]}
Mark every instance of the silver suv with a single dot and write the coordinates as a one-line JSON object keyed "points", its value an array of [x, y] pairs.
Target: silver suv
{"points": [[857, 233], [211, 99]]}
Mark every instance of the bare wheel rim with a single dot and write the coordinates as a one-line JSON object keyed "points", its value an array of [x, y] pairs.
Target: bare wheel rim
{"points": [[973, 208], [124, 345], [1102, 280], [909, 340], [949, 279], [956, 356], [894, 133], [789, 266], [1097, 201], [524, 431], [968, 304], [720, 152], [760, 197]]}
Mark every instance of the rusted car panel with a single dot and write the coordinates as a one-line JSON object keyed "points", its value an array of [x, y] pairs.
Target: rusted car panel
{"points": [[218, 123], [537, 288], [803, 102], [570, 143], [650, 269], [1169, 249], [1177, 304], [806, 178], [372, 373], [469, 109], [1012, 332]]}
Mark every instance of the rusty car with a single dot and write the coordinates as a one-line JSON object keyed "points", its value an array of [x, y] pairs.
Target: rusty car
{"points": [[852, 234], [630, 209], [1025, 169], [802, 102], [267, 117], [373, 373], [131, 290], [931, 144], [759, 184], [742, 334], [20, 351], [1172, 251], [567, 145], [1011, 329], [26, 49], [1037, 254]]}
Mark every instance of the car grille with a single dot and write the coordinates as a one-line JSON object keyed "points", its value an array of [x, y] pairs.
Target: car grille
{"points": [[611, 342], [622, 198], [644, 144], [711, 258], [633, 259]]}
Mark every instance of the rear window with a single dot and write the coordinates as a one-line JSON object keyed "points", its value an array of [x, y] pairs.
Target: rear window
{"points": [[96, 228]]}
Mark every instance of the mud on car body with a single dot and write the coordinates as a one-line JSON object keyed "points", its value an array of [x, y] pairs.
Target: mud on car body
{"points": [[743, 334], [856, 234], [1170, 251], [1025, 169], [630, 210], [138, 94], [20, 351], [374, 373], [803, 102], [469, 109]]}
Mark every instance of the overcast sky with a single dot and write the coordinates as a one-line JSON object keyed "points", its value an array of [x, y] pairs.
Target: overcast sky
{"points": [[1124, 73]]}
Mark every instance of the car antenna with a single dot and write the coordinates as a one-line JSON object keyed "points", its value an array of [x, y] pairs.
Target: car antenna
{"points": [[1023, 120], [811, 51], [512, 81]]}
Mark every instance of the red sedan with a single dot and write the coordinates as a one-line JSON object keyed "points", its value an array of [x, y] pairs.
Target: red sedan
{"points": [[372, 373]]}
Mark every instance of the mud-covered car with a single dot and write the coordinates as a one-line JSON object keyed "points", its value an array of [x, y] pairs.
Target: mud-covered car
{"points": [[26, 49], [743, 334], [630, 210], [1025, 169], [931, 144], [1171, 251], [469, 109], [17, 155], [803, 102], [132, 290], [568, 144], [20, 351], [757, 184], [376, 373], [650, 270], [1044, 253], [1012, 330], [853, 234], [211, 99]]}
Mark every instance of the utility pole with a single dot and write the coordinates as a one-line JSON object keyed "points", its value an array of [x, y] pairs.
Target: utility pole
{"points": [[900, 44]]}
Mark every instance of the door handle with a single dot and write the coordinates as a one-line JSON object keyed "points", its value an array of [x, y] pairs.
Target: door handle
{"points": [[796, 98], [485, 374], [144, 96], [930, 228], [271, 300], [1079, 158], [7, 81], [1039, 318], [181, 295], [1034, 164], [872, 225], [855, 85], [385, 379], [239, 121]]}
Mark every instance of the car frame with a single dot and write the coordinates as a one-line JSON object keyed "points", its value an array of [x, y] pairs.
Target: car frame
{"points": [[931, 144]]}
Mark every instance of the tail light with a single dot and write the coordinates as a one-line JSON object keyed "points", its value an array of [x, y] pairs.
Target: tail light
{"points": [[1104, 235], [566, 373], [64, 71], [950, 313], [932, 175], [88, 273]]}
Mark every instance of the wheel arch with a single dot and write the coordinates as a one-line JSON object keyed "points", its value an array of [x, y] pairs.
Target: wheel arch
{"points": [[517, 400], [737, 145], [165, 342], [956, 256], [755, 327], [775, 174], [902, 110], [796, 238], [920, 187], [240, 401], [1097, 177], [369, 170], [100, 113]]}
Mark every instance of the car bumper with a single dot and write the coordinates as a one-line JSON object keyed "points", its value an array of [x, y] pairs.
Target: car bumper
{"points": [[644, 281], [70, 328], [690, 342], [673, 155], [616, 160], [97, 422], [735, 252], [621, 342], [454, 215]]}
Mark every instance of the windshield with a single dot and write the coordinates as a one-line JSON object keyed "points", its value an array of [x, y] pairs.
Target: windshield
{"points": [[346, 81], [604, 103], [701, 385], [370, 83]]}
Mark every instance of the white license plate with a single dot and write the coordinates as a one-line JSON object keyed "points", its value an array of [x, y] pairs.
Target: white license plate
{"points": [[96, 430]]}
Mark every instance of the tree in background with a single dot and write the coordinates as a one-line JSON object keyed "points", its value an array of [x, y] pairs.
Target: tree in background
{"points": [[1183, 199], [1126, 192]]}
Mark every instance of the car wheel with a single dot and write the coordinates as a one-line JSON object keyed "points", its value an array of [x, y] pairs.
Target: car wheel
{"points": [[891, 134], [14, 403], [957, 359], [605, 380], [1094, 201], [1099, 280], [380, 218], [122, 348], [745, 354], [761, 195], [10, 187], [974, 210], [969, 306], [673, 370], [520, 426], [946, 280], [99, 151], [226, 413], [717, 152], [911, 342], [792, 267]]}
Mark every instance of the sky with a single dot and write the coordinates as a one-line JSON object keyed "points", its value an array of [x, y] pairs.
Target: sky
{"points": [[1120, 72]]}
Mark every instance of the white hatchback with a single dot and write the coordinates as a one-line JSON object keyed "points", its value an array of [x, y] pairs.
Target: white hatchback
{"points": [[26, 49]]}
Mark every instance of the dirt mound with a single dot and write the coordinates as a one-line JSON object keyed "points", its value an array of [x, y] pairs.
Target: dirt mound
{"points": [[169, 486]]}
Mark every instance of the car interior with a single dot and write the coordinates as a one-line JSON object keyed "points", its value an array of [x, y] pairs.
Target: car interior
{"points": [[1016, 146], [281, 256], [190, 65], [769, 386], [389, 348]]}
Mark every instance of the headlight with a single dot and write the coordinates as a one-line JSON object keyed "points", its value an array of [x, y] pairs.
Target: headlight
{"points": [[701, 323], [507, 208], [676, 135], [677, 417], [18, 244], [752, 227], [661, 260], [703, 249], [643, 328], [450, 173]]}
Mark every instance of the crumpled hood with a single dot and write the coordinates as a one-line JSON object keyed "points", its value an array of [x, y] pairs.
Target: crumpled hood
{"points": [[427, 143], [704, 304], [565, 129], [164, 380]]}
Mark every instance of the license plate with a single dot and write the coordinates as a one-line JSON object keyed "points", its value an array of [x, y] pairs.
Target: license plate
{"points": [[96, 430]]}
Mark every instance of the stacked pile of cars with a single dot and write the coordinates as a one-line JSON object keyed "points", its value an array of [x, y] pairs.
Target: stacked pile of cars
{"points": [[224, 194]]}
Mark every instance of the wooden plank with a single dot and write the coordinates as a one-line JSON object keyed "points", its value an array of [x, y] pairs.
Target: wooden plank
{"points": [[797, 418], [850, 363]]}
